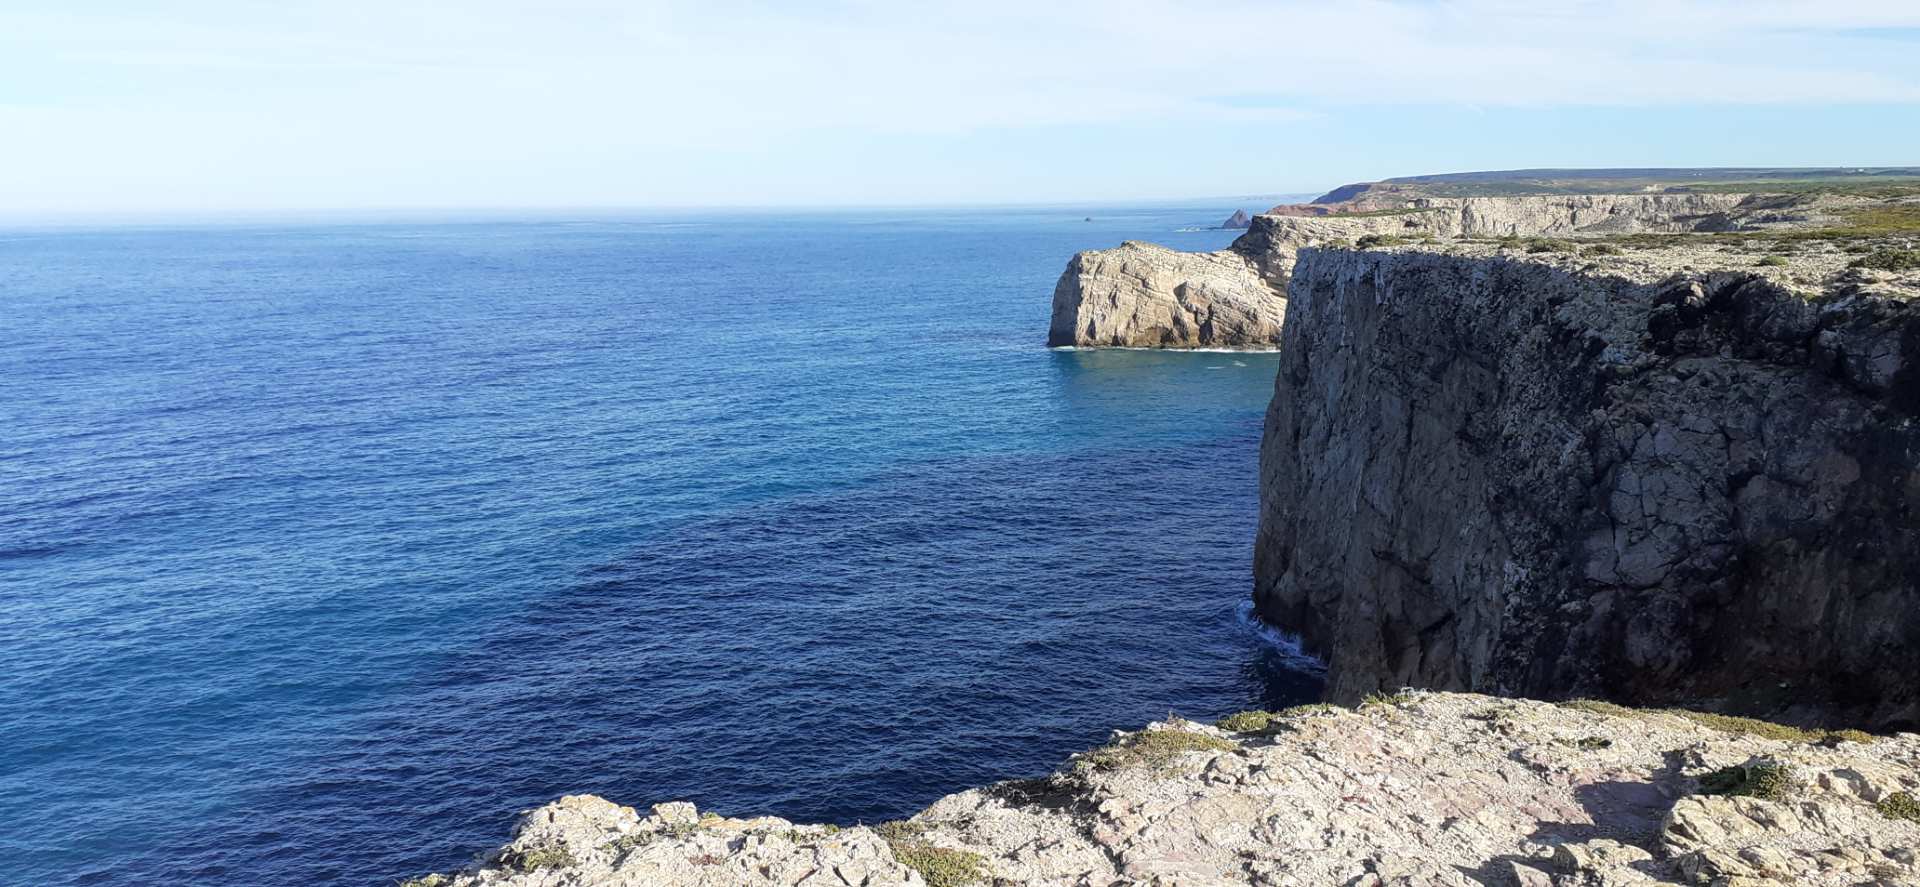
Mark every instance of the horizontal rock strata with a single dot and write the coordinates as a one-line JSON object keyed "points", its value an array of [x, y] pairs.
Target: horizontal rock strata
{"points": [[1551, 475], [1145, 296], [1421, 789], [1141, 295]]}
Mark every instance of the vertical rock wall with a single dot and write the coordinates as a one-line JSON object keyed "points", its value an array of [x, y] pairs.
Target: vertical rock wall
{"points": [[1502, 475]]}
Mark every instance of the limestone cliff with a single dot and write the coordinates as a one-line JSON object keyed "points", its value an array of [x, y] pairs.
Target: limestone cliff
{"points": [[1147, 296], [1418, 790], [1625, 477]]}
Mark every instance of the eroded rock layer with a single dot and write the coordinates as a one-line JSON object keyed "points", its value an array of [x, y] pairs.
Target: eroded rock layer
{"points": [[1146, 296], [1419, 790], [1549, 476], [1142, 295]]}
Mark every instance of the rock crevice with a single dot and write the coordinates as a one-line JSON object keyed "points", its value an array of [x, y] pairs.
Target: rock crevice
{"points": [[1532, 477]]}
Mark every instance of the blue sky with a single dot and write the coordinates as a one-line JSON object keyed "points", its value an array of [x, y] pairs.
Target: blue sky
{"points": [[202, 106]]}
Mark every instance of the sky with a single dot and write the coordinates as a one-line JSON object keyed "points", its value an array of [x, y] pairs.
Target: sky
{"points": [[211, 106]]}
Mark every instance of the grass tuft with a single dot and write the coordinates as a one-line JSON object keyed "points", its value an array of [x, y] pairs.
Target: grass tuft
{"points": [[1889, 260], [940, 866], [1765, 780], [1246, 721], [1731, 724], [1311, 709], [1899, 805], [537, 858], [1773, 262], [1152, 748], [1388, 699]]}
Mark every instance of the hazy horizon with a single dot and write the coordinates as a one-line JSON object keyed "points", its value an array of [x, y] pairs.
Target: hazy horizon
{"points": [[216, 108]]}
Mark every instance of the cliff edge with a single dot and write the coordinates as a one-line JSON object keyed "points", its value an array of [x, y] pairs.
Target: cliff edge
{"points": [[1557, 469], [1413, 790], [1140, 295]]}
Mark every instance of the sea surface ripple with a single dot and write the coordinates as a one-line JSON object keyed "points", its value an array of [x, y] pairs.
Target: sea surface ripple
{"points": [[325, 548]]}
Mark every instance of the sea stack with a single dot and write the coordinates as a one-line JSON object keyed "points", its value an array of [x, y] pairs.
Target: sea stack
{"points": [[1237, 221]]}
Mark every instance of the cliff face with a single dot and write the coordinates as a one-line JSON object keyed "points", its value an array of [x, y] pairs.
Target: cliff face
{"points": [[1549, 478], [1147, 296], [1422, 790]]}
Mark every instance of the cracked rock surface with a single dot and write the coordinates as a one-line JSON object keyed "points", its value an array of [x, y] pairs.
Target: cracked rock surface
{"points": [[1661, 476], [1424, 789]]}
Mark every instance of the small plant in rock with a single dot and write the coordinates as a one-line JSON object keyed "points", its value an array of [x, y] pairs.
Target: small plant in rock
{"points": [[1835, 737], [1594, 743], [1372, 240], [1153, 748], [1246, 721], [433, 880], [1311, 709], [1773, 262], [1388, 699], [1548, 245], [940, 866], [537, 858], [625, 843], [1889, 260], [1899, 805], [1766, 780], [1603, 249]]}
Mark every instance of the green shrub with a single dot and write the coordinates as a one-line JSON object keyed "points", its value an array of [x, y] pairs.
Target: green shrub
{"points": [[940, 866], [1389, 699], [1899, 805], [1372, 240], [537, 858], [1594, 743], [1311, 709], [1739, 726], [1246, 721], [433, 880], [1548, 245], [1603, 249], [1764, 779], [1773, 262], [1153, 748], [1889, 260]]}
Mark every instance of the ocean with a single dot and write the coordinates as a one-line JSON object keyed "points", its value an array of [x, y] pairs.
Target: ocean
{"points": [[327, 547]]}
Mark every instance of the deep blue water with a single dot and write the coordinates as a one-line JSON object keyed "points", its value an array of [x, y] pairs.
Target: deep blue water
{"points": [[325, 549]]}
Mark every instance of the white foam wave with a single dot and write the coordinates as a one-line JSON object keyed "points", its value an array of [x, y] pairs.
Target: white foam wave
{"points": [[1286, 644]]}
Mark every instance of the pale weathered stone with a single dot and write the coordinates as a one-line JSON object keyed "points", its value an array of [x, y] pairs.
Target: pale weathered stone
{"points": [[1438, 789]]}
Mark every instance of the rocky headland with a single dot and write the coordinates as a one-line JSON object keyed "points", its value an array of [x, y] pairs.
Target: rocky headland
{"points": [[1142, 296], [1412, 790], [1659, 449]]}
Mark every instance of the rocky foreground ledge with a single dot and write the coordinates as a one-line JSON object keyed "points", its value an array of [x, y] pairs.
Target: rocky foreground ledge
{"points": [[1412, 789]]}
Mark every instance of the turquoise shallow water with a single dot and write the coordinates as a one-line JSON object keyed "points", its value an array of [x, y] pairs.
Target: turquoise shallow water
{"points": [[324, 549]]}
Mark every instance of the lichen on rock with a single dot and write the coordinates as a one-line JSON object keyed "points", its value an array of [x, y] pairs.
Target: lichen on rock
{"points": [[1436, 789]]}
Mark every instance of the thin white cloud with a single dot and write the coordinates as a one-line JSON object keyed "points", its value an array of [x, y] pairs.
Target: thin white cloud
{"points": [[389, 87]]}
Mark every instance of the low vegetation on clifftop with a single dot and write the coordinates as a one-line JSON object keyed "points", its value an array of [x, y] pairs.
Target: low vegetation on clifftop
{"points": [[1411, 789]]}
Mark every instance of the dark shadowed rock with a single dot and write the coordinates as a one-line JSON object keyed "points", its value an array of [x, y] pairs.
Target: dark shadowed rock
{"points": [[1539, 476]]}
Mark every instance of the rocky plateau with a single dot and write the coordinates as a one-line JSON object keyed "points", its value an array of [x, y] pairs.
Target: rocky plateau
{"points": [[1414, 789]]}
